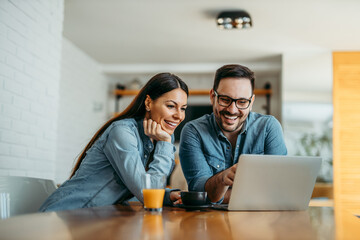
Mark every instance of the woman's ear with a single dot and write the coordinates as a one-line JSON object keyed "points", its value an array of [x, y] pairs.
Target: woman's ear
{"points": [[148, 102]]}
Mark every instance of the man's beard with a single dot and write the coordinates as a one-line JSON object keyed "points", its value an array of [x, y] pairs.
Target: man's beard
{"points": [[229, 128]]}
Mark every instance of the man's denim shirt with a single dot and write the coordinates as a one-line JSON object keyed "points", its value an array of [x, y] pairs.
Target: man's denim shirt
{"points": [[111, 171], [205, 151]]}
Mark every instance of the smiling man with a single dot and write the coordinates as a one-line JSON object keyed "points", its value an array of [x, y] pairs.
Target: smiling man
{"points": [[211, 145]]}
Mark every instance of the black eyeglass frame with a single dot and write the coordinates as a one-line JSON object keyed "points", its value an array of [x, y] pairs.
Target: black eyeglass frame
{"points": [[233, 100]]}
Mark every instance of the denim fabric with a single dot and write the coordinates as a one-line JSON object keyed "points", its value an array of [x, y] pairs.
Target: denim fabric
{"points": [[111, 170], [205, 151]]}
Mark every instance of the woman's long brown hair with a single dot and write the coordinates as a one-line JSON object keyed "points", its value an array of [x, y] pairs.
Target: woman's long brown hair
{"points": [[157, 86]]}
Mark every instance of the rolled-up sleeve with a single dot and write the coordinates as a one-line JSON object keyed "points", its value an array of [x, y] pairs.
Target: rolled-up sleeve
{"points": [[164, 158], [122, 150]]}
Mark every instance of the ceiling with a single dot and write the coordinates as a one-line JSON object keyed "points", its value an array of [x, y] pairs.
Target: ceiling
{"points": [[118, 32]]}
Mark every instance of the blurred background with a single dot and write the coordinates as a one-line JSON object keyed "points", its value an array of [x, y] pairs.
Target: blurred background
{"points": [[61, 61]]}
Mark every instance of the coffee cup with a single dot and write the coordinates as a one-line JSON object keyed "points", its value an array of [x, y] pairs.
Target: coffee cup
{"points": [[193, 198]]}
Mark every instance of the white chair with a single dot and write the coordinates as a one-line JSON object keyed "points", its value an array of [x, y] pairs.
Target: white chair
{"points": [[26, 194]]}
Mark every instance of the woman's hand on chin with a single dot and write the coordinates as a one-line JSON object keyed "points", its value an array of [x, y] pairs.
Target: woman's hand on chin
{"points": [[153, 130]]}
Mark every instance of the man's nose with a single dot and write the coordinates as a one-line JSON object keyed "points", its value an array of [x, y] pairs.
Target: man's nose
{"points": [[232, 108]]}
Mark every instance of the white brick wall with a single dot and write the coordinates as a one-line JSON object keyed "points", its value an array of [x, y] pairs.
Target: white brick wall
{"points": [[82, 88], [30, 55]]}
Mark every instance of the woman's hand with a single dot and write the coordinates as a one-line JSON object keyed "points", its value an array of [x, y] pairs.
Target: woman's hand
{"points": [[153, 130], [175, 197]]}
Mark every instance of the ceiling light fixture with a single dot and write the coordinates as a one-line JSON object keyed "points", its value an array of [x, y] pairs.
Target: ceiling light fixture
{"points": [[234, 19]]}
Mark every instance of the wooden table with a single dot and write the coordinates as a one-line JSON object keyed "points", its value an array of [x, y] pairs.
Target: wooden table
{"points": [[132, 222]]}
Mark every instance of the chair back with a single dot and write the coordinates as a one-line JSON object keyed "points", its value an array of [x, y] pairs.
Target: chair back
{"points": [[26, 194]]}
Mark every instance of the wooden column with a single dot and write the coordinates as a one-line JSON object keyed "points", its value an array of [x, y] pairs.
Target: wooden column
{"points": [[346, 99], [346, 140]]}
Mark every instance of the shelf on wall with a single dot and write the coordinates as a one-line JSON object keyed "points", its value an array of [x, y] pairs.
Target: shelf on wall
{"points": [[266, 91], [195, 92]]}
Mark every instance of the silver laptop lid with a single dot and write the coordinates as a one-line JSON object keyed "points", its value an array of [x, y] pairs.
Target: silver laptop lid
{"points": [[272, 182]]}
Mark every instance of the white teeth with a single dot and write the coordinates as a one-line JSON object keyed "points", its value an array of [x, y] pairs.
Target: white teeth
{"points": [[230, 117], [172, 124]]}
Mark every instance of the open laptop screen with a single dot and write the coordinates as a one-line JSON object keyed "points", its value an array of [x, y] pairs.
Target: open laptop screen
{"points": [[272, 182]]}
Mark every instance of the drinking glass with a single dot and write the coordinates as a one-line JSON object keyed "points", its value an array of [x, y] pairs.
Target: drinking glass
{"points": [[153, 191], [4, 205]]}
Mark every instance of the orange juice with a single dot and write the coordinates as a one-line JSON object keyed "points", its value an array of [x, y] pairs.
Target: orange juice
{"points": [[153, 198]]}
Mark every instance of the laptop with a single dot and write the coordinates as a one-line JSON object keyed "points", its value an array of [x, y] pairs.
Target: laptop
{"points": [[272, 183]]}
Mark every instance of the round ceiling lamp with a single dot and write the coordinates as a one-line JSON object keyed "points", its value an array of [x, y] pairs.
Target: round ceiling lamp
{"points": [[239, 19]]}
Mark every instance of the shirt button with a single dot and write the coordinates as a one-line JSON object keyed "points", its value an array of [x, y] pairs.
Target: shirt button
{"points": [[145, 155], [228, 148], [218, 166]]}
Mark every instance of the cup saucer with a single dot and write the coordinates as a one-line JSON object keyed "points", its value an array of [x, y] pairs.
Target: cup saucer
{"points": [[193, 207]]}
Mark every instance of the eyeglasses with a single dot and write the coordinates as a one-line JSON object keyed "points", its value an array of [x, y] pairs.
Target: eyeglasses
{"points": [[226, 101]]}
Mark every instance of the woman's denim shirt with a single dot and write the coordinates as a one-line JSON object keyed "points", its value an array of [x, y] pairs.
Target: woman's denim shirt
{"points": [[205, 151], [111, 170]]}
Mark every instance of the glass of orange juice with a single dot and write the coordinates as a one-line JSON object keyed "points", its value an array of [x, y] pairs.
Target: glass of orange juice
{"points": [[153, 191]]}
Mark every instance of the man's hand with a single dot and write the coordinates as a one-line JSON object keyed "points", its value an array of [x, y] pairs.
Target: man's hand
{"points": [[218, 185], [228, 175], [153, 130]]}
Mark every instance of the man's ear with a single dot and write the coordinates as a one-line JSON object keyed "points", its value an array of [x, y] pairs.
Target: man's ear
{"points": [[252, 101], [212, 96], [148, 102]]}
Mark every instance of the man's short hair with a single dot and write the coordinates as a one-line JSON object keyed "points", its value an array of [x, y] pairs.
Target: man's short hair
{"points": [[234, 71]]}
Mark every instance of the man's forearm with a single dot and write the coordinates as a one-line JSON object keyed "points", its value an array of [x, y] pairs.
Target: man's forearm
{"points": [[227, 196], [215, 188]]}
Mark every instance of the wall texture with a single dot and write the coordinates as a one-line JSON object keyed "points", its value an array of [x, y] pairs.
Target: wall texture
{"points": [[30, 55], [83, 93]]}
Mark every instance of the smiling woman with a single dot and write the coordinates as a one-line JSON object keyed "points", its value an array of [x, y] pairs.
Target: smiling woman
{"points": [[136, 141], [168, 110]]}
